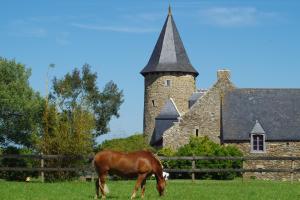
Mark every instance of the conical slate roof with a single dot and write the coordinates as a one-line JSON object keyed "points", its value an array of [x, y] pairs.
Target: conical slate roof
{"points": [[169, 54], [257, 128], [169, 111]]}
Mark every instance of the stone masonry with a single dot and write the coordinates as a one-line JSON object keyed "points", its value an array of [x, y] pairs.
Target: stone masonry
{"points": [[203, 116], [272, 149], [181, 87]]}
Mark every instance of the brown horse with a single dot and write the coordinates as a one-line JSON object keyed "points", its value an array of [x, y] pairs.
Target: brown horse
{"points": [[141, 164]]}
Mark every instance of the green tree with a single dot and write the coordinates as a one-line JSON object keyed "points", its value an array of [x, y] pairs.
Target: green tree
{"points": [[79, 90], [76, 113], [20, 107], [65, 137], [133, 143]]}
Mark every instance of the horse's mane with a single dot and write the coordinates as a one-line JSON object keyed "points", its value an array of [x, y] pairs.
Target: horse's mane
{"points": [[157, 159]]}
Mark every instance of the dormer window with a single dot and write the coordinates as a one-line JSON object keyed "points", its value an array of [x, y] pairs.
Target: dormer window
{"points": [[257, 143], [257, 139]]}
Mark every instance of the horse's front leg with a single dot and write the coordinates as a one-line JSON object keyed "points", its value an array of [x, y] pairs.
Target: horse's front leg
{"points": [[139, 181]]}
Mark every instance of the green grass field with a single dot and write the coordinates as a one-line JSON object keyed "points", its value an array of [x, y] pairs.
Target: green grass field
{"points": [[176, 189]]}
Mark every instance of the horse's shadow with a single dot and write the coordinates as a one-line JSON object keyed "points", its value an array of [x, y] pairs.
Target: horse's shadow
{"points": [[107, 197]]}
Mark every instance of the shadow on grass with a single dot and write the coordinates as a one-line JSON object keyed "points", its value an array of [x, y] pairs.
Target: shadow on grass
{"points": [[107, 197]]}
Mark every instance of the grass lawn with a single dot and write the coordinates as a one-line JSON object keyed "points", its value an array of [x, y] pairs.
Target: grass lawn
{"points": [[176, 189]]}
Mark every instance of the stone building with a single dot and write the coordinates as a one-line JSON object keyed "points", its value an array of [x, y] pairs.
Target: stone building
{"points": [[257, 121]]}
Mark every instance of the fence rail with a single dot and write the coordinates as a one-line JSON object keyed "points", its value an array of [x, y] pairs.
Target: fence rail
{"points": [[292, 170]]}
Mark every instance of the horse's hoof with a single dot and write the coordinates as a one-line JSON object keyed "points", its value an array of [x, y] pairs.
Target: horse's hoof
{"points": [[96, 197]]}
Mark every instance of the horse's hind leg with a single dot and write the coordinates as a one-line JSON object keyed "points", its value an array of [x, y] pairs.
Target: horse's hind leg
{"points": [[143, 187], [139, 181], [97, 184], [102, 185]]}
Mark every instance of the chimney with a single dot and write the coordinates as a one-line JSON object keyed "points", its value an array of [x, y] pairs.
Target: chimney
{"points": [[223, 74]]}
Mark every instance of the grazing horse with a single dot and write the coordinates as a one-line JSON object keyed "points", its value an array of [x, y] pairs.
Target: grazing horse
{"points": [[141, 164]]}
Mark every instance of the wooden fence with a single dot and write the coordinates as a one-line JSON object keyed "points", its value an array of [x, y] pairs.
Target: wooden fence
{"points": [[292, 170]]}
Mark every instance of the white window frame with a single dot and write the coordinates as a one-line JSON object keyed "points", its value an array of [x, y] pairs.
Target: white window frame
{"points": [[252, 143]]}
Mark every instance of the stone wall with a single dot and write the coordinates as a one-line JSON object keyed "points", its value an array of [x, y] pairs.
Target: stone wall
{"points": [[272, 149], [156, 93], [203, 116]]}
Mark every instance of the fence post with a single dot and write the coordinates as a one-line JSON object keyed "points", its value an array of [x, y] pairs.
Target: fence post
{"points": [[42, 166], [193, 168], [243, 164], [292, 170]]}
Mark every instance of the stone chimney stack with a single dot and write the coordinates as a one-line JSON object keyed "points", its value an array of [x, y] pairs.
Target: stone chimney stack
{"points": [[223, 74]]}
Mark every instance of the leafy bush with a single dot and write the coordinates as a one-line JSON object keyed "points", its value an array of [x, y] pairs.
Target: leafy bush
{"points": [[129, 144], [202, 146], [67, 134], [16, 162]]}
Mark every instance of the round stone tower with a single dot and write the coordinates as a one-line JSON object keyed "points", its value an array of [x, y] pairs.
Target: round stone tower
{"points": [[168, 74]]}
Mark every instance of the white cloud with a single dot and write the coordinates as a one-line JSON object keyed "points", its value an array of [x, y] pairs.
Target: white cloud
{"points": [[114, 28], [235, 16]]}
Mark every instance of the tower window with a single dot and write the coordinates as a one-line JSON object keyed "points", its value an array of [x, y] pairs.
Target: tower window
{"points": [[258, 143], [197, 132], [168, 83], [153, 103]]}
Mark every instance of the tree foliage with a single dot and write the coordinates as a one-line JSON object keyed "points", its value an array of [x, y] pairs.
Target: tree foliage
{"points": [[129, 144], [76, 113], [203, 146], [79, 90], [67, 137], [63, 136], [20, 106]]}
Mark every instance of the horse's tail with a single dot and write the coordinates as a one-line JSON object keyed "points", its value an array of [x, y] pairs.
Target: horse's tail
{"points": [[106, 190], [98, 185]]}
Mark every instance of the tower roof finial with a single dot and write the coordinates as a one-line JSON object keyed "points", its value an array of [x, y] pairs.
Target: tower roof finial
{"points": [[170, 11]]}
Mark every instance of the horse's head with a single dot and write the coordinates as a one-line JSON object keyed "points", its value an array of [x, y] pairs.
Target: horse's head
{"points": [[161, 184]]}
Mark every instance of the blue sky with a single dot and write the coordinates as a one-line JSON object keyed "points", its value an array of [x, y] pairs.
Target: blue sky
{"points": [[258, 40]]}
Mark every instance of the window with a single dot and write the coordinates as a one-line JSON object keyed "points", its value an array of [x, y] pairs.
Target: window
{"points": [[153, 103], [257, 143], [197, 132], [168, 83]]}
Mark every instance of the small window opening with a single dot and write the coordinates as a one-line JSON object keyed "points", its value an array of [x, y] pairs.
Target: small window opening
{"points": [[153, 103], [197, 132], [168, 83]]}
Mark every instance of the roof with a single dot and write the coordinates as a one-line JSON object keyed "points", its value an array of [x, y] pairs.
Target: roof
{"points": [[166, 118], [160, 127], [169, 111], [195, 96], [169, 53], [278, 110], [257, 128]]}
